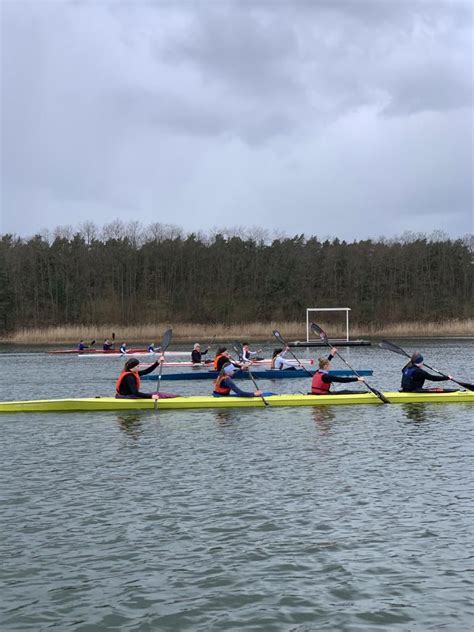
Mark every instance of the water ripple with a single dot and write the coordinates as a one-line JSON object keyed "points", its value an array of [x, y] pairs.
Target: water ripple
{"points": [[344, 519]]}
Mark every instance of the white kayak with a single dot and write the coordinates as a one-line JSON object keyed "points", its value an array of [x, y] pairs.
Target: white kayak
{"points": [[146, 354]]}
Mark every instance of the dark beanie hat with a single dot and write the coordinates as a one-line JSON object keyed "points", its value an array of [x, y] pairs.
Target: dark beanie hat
{"points": [[129, 364]]}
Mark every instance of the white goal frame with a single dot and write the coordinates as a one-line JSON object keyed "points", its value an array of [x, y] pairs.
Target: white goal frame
{"points": [[326, 309]]}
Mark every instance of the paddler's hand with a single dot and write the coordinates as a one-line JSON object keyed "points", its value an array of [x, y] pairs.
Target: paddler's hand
{"points": [[361, 379], [333, 351], [155, 396], [258, 393]]}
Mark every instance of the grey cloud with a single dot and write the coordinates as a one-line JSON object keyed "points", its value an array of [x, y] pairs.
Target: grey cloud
{"points": [[256, 112]]}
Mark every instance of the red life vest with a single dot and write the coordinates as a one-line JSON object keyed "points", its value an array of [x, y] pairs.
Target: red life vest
{"points": [[122, 376], [318, 387], [221, 390]]}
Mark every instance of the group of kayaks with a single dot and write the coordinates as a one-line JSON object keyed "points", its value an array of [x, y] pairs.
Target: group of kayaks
{"points": [[175, 402]]}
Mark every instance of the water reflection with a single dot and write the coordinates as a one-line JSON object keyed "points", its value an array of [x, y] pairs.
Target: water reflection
{"points": [[224, 417], [323, 417], [415, 412], [131, 424]]}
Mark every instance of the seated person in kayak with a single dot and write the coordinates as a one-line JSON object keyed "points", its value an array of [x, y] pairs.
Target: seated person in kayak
{"points": [[123, 347], [223, 357], [280, 362], [196, 354], [82, 345], [225, 384], [414, 376], [107, 345], [153, 349], [249, 356], [128, 383], [322, 380]]}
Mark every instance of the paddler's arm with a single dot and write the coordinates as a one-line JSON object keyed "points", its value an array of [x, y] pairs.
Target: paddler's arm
{"points": [[342, 380], [434, 378], [151, 368]]}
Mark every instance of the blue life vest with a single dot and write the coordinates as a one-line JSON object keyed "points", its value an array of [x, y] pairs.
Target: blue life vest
{"points": [[408, 383]]}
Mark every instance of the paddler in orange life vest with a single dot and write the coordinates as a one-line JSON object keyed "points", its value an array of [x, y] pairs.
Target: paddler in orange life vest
{"points": [[322, 380], [128, 383], [225, 384], [223, 357]]}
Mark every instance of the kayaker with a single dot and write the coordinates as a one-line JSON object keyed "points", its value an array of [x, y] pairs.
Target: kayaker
{"points": [[225, 384], [82, 345], [107, 345], [128, 383], [322, 380], [197, 354], [414, 376], [249, 356], [280, 362], [153, 349], [222, 357], [123, 347]]}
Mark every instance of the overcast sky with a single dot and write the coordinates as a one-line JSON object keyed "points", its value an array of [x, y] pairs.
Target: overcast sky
{"points": [[349, 119]]}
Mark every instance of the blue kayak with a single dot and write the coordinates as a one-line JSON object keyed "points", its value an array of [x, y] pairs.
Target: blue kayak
{"points": [[263, 374]]}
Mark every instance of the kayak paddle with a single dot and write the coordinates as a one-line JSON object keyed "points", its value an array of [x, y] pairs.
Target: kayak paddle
{"points": [[280, 339], [239, 351], [165, 343], [389, 346], [322, 334]]}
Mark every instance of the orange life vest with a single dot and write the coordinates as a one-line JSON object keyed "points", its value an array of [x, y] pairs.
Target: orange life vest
{"points": [[121, 378], [221, 390], [318, 387], [216, 360]]}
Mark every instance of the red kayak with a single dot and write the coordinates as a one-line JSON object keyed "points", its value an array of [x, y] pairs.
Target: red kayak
{"points": [[91, 350]]}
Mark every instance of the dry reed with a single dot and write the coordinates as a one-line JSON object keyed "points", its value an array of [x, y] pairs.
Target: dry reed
{"points": [[185, 332]]}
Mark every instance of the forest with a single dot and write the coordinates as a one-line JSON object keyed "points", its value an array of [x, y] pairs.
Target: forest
{"points": [[126, 273]]}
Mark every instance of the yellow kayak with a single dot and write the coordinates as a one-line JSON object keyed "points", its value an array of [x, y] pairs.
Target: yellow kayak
{"points": [[177, 403]]}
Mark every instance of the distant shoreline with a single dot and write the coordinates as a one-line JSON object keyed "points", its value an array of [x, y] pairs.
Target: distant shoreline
{"points": [[221, 333]]}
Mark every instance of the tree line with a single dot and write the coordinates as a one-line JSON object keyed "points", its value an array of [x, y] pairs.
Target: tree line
{"points": [[125, 273]]}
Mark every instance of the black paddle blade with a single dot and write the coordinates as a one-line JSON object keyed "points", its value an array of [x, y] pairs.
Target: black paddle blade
{"points": [[165, 343], [278, 336], [238, 347], [316, 329], [113, 335], [380, 395], [92, 342], [389, 346]]}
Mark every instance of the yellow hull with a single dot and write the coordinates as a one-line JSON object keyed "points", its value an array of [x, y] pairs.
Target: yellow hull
{"points": [[110, 403]]}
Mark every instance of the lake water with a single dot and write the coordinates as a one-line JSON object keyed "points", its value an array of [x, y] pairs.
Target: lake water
{"points": [[342, 518]]}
